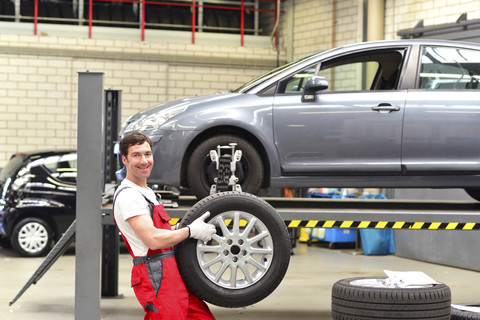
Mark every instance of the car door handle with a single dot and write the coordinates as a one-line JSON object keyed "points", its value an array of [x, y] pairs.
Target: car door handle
{"points": [[385, 107]]}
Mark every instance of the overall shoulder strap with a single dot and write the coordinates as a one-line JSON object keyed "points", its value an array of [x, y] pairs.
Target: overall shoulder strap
{"points": [[149, 202]]}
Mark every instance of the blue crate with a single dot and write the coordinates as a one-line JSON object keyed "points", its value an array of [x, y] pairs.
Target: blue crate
{"points": [[337, 235], [330, 195]]}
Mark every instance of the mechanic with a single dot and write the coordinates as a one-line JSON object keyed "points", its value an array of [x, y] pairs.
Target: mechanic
{"points": [[149, 238]]}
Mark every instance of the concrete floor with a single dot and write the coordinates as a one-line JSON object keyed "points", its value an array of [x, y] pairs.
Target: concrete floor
{"points": [[304, 293]]}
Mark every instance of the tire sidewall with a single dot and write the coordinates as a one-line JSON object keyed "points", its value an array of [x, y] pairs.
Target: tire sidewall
{"points": [[347, 283], [197, 281], [352, 301], [458, 314]]}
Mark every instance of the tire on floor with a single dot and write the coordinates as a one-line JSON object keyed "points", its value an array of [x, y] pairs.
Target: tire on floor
{"points": [[368, 298], [245, 260], [459, 314]]}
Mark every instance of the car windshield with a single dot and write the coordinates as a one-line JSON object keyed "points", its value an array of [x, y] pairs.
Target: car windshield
{"points": [[11, 168], [263, 77]]}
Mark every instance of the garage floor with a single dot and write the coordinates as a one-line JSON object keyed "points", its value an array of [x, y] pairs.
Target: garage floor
{"points": [[303, 294]]}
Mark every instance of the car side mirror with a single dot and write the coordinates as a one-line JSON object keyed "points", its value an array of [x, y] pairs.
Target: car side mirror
{"points": [[313, 85]]}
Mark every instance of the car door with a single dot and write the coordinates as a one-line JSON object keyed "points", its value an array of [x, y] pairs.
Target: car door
{"points": [[441, 130], [353, 127]]}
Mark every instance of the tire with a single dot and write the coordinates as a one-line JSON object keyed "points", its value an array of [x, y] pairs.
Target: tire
{"points": [[258, 251], [474, 193], [201, 171], [5, 243], [459, 314], [368, 298], [32, 237]]}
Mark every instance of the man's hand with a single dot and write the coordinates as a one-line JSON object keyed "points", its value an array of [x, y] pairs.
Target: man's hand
{"points": [[200, 230]]}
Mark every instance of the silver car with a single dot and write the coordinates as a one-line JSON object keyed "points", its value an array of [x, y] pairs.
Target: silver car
{"points": [[386, 114]]}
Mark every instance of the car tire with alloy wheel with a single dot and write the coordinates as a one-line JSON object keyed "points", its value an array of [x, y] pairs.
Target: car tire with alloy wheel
{"points": [[32, 237], [365, 298], [201, 171], [245, 260]]}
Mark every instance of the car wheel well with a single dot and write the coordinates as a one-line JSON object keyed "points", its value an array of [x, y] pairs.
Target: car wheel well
{"points": [[226, 130]]}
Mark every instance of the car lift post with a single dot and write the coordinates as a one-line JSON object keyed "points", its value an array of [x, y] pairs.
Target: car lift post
{"points": [[110, 245], [90, 185]]}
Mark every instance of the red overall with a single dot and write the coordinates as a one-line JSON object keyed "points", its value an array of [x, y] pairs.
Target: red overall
{"points": [[158, 285]]}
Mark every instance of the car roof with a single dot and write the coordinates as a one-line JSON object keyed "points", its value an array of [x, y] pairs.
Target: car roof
{"points": [[395, 43], [42, 153]]}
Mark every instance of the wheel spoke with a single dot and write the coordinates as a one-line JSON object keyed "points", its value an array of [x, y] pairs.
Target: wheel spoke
{"points": [[259, 237], [257, 264], [262, 251], [250, 226], [221, 271], [233, 276], [246, 273], [211, 262], [223, 226], [206, 248], [236, 224]]}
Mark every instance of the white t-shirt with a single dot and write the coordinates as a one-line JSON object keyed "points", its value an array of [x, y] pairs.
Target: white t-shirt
{"points": [[131, 203]]}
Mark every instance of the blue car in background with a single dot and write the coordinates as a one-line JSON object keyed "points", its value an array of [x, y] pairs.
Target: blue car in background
{"points": [[387, 114]]}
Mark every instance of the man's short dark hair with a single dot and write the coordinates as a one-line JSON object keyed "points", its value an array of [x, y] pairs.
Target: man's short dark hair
{"points": [[132, 139]]}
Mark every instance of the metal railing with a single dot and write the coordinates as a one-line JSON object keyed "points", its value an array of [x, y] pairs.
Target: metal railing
{"points": [[142, 14]]}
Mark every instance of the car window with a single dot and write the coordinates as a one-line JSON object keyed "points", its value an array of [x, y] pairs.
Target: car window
{"points": [[63, 168], [297, 82], [377, 70], [11, 168], [449, 68]]}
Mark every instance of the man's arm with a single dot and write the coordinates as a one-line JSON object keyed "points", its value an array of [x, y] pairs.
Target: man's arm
{"points": [[155, 238]]}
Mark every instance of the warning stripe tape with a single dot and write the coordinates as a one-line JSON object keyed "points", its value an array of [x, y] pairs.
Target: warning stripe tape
{"points": [[383, 225], [374, 224]]}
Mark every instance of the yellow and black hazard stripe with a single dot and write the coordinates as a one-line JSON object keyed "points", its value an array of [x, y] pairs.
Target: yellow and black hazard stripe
{"points": [[383, 225]]}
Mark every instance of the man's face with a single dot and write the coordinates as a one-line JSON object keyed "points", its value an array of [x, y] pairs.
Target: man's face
{"points": [[139, 162]]}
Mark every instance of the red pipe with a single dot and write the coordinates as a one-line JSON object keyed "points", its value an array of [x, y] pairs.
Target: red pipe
{"points": [[194, 21], [276, 31], [242, 22], [90, 14], [35, 17], [143, 20]]}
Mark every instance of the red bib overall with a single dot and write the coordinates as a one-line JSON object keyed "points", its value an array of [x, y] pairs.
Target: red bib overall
{"points": [[157, 283]]}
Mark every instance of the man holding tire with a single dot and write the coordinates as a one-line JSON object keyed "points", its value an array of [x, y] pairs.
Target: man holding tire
{"points": [[149, 237]]}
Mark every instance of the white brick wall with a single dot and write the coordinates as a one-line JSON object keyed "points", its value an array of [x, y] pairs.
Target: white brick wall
{"points": [[313, 25], [313, 20], [405, 14]]}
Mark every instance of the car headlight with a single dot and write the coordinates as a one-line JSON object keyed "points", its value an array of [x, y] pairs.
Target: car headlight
{"points": [[154, 120]]}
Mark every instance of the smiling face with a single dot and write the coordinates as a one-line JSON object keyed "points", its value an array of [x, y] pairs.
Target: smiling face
{"points": [[139, 163]]}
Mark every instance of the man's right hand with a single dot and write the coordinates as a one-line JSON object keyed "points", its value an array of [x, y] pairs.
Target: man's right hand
{"points": [[200, 230]]}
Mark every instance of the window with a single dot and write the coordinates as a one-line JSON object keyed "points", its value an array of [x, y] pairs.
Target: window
{"points": [[377, 70], [449, 68], [296, 83], [63, 168]]}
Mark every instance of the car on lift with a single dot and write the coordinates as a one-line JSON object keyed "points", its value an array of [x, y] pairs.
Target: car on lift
{"points": [[38, 200], [386, 114]]}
